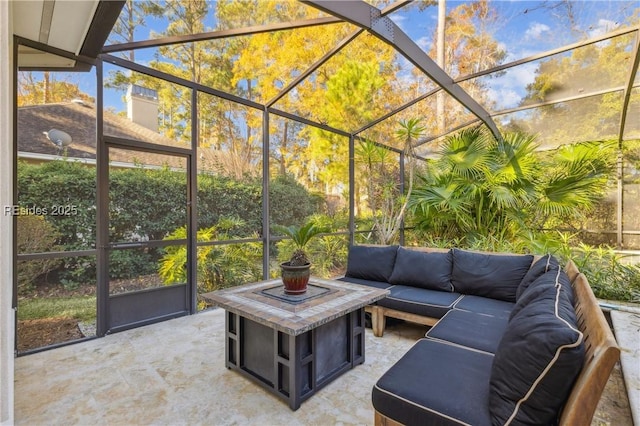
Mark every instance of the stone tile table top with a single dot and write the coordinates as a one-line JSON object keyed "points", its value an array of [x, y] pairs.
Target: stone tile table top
{"points": [[265, 302]]}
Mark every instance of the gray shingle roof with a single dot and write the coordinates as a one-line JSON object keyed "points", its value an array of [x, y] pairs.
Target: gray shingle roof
{"points": [[79, 121]]}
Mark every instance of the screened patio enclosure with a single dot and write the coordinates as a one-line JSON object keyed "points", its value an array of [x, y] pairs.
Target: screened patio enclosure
{"points": [[203, 124]]}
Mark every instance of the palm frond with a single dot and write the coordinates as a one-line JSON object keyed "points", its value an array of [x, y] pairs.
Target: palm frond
{"points": [[300, 235], [467, 154]]}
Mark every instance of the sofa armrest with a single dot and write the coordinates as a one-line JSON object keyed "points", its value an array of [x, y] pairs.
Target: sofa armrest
{"points": [[602, 353]]}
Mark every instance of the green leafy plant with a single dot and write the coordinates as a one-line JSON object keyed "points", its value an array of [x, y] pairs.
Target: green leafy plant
{"points": [[300, 235], [152, 213], [481, 187], [219, 266], [609, 275], [35, 235], [329, 254]]}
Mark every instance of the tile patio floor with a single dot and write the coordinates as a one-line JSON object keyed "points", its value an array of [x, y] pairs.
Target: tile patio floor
{"points": [[173, 373]]}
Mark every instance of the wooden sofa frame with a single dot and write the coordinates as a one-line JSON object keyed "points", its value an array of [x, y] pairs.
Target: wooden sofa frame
{"points": [[601, 353]]}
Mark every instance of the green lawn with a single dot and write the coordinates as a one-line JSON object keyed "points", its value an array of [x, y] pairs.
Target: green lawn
{"points": [[82, 308]]}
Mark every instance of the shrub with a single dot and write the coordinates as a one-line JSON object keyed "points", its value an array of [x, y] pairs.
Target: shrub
{"points": [[608, 274], [291, 203], [147, 204], [35, 235], [219, 266], [220, 197], [62, 183], [132, 263]]}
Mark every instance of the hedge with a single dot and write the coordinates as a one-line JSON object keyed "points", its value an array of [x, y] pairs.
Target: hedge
{"points": [[146, 204]]}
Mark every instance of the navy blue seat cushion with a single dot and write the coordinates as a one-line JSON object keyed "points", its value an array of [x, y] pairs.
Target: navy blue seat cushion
{"points": [[377, 284], [420, 301], [475, 331], [485, 305], [553, 278], [489, 275], [436, 383], [374, 263], [537, 361], [430, 270], [542, 266]]}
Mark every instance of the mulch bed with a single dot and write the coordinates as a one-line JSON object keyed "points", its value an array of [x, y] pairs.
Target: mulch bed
{"points": [[33, 334], [38, 333]]}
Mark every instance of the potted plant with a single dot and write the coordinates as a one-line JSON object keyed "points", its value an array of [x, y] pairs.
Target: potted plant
{"points": [[296, 271]]}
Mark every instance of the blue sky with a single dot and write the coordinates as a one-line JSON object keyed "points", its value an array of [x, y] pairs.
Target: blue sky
{"points": [[523, 28]]}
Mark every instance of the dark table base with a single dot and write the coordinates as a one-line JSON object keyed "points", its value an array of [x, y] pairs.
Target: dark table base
{"points": [[294, 367]]}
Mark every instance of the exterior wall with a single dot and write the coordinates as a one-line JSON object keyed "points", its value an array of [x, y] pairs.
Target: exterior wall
{"points": [[7, 319]]}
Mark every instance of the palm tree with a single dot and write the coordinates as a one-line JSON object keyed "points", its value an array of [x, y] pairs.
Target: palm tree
{"points": [[480, 187], [389, 208], [571, 181]]}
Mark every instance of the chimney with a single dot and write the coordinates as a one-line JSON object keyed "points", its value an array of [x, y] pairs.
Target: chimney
{"points": [[142, 106]]}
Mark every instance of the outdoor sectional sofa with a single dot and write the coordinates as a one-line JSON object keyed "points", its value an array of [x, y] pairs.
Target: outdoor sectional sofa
{"points": [[514, 339]]}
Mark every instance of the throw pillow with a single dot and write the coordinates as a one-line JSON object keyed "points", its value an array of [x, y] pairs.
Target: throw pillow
{"points": [[544, 264], [537, 361], [488, 275], [431, 270], [373, 263], [554, 278]]}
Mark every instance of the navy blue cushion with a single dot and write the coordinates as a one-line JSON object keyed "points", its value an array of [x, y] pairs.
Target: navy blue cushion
{"points": [[420, 301], [484, 305], [374, 263], [537, 361], [436, 383], [376, 284], [488, 275], [430, 270], [543, 265], [553, 278], [476, 331]]}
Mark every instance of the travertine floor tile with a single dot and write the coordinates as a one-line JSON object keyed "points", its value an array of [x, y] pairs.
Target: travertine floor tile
{"points": [[173, 373]]}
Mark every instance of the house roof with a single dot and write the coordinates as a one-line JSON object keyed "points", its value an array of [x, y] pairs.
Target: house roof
{"points": [[78, 119]]}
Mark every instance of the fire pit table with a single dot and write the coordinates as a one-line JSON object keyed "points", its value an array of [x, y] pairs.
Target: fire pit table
{"points": [[293, 345]]}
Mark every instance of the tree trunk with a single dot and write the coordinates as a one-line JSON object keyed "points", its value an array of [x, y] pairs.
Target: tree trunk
{"points": [[440, 50], [46, 89]]}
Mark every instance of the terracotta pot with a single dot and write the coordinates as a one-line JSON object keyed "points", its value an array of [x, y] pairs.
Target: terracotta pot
{"points": [[295, 278]]}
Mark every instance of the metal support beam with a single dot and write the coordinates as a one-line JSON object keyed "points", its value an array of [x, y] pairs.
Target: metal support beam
{"points": [[152, 72], [558, 101], [547, 54], [401, 161], [213, 35], [192, 207], [348, 39], [317, 64], [396, 111], [88, 61], [308, 122], [266, 231], [448, 132], [627, 92], [620, 204], [352, 190], [102, 210], [370, 18]]}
